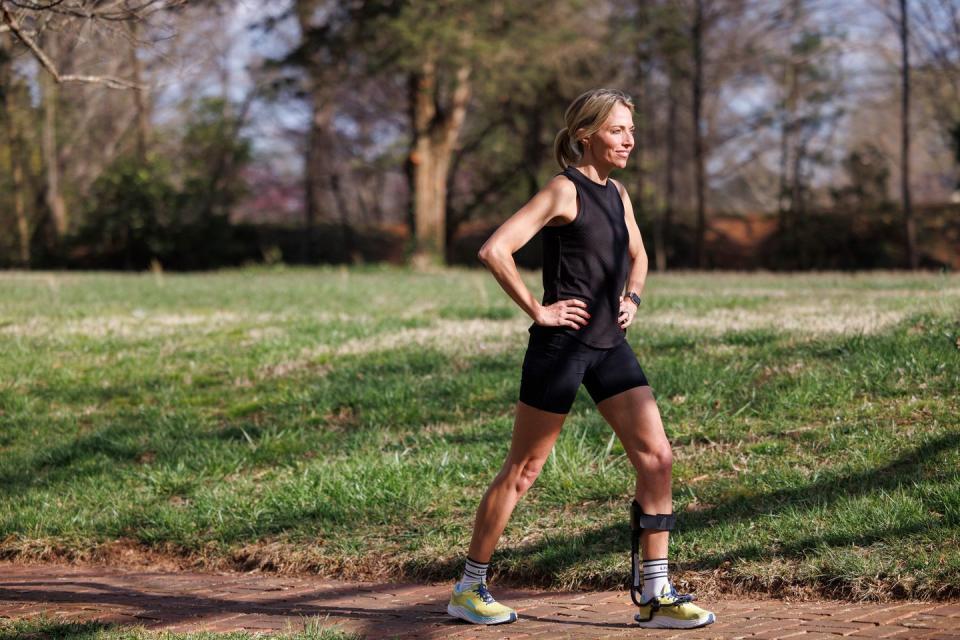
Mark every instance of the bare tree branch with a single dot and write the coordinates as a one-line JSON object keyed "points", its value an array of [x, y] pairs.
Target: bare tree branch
{"points": [[44, 60], [113, 83], [34, 6], [117, 11]]}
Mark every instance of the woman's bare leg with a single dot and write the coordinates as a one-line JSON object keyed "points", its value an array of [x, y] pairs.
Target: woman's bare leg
{"points": [[534, 432], [635, 419]]}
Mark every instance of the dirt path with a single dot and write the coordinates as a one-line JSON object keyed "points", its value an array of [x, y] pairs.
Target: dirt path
{"points": [[263, 603]]}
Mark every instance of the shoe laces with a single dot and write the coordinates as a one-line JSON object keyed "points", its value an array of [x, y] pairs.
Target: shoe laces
{"points": [[484, 594], [678, 599]]}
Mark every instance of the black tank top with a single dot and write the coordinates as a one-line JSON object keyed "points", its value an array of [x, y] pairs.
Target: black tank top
{"points": [[588, 259]]}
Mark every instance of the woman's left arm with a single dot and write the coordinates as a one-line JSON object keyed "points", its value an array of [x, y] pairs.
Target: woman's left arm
{"points": [[638, 258]]}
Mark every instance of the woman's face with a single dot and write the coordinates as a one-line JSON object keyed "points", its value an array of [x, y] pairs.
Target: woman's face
{"points": [[613, 143]]}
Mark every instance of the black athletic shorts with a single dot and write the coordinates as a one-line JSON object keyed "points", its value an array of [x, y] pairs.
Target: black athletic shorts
{"points": [[556, 363]]}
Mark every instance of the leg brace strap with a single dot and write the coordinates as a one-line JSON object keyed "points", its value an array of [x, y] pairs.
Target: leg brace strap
{"points": [[638, 522]]}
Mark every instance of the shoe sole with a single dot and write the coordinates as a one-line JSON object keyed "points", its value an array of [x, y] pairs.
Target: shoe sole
{"points": [[665, 622], [464, 614]]}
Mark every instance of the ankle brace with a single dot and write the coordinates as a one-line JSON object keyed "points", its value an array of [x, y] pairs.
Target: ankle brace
{"points": [[638, 522]]}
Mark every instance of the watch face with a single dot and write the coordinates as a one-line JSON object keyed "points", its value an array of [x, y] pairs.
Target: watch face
{"points": [[635, 298]]}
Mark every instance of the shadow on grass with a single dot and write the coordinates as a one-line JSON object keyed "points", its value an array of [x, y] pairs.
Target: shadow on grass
{"points": [[122, 439], [60, 463], [829, 488], [537, 563]]}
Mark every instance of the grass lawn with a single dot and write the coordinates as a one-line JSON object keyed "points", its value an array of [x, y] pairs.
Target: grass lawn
{"points": [[347, 421], [49, 629]]}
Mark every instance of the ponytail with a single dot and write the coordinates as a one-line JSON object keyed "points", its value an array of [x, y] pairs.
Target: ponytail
{"points": [[565, 150]]}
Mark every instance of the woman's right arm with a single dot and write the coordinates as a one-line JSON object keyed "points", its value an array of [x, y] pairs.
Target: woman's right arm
{"points": [[558, 198]]}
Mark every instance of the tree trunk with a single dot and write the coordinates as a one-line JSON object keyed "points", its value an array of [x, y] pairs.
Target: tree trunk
{"points": [[643, 206], [789, 199], [51, 155], [436, 128], [796, 144], [313, 174], [670, 191], [908, 220], [304, 10], [650, 206], [533, 148], [426, 227], [783, 199], [643, 131], [346, 232], [19, 210], [697, 36], [782, 203], [309, 198], [15, 147], [18, 182], [140, 103]]}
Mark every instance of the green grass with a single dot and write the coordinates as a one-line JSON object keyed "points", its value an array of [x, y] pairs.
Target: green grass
{"points": [[347, 421], [45, 628]]}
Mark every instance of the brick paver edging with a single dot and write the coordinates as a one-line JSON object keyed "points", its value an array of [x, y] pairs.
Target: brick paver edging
{"points": [[265, 602]]}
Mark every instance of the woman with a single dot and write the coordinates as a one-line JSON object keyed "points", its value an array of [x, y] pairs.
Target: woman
{"points": [[593, 274]]}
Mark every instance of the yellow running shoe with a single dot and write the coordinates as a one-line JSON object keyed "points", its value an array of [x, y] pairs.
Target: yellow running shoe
{"points": [[670, 610], [475, 604]]}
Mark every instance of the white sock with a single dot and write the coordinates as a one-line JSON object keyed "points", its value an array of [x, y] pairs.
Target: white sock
{"points": [[473, 573], [654, 578]]}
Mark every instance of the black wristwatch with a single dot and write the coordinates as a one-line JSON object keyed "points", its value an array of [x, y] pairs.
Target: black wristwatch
{"points": [[633, 297]]}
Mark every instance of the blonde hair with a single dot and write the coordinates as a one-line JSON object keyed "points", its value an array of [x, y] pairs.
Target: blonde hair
{"points": [[588, 112]]}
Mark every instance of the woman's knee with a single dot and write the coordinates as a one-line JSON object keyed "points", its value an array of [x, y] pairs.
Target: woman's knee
{"points": [[521, 476], [656, 459]]}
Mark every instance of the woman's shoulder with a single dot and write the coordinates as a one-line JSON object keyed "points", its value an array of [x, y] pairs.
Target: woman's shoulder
{"points": [[622, 190], [562, 187], [562, 179], [563, 193]]}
